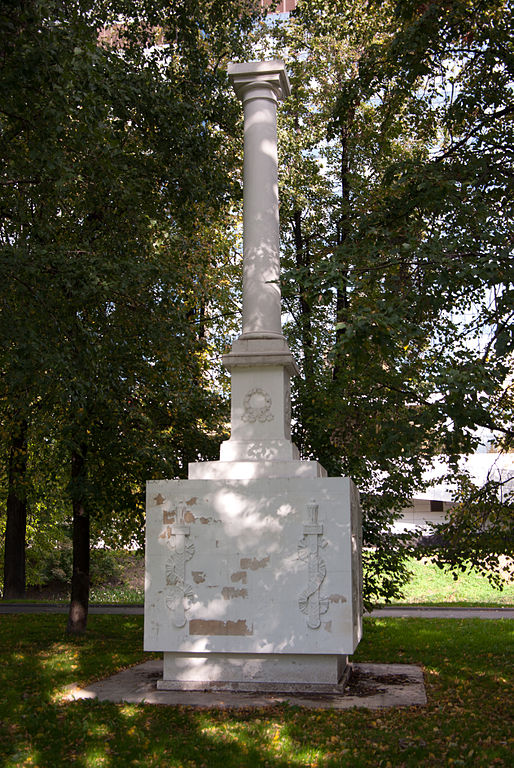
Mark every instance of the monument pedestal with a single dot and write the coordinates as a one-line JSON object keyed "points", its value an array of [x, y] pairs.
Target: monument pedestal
{"points": [[253, 584]]}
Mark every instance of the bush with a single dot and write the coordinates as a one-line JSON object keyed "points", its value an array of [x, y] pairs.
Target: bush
{"points": [[55, 564]]}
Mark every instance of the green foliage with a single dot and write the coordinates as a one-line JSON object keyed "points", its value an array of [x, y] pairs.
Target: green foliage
{"points": [[478, 533], [432, 585], [48, 565], [55, 564], [396, 211], [118, 172]]}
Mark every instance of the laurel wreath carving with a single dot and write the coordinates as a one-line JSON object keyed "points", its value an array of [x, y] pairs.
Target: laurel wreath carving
{"points": [[254, 407]]}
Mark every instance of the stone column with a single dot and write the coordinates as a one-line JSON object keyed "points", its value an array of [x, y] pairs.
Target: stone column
{"points": [[260, 362], [260, 85]]}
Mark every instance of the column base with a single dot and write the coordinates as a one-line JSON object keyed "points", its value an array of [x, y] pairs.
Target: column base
{"points": [[299, 673]]}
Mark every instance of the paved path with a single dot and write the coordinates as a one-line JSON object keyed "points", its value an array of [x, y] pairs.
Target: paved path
{"points": [[421, 611], [125, 610], [444, 612]]}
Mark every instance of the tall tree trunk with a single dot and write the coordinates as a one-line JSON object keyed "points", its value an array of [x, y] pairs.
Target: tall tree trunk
{"points": [[303, 264], [79, 602], [14, 553], [343, 230], [305, 324]]}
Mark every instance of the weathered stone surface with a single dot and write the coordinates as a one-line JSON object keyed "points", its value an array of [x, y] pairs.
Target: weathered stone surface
{"points": [[301, 579]]}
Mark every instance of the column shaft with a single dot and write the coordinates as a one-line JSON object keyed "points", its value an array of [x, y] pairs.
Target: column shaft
{"points": [[261, 262], [259, 85]]}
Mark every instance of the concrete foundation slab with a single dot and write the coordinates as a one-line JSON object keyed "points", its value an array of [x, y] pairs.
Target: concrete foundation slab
{"points": [[371, 686]]}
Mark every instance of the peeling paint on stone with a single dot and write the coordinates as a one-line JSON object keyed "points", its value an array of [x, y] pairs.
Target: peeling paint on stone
{"points": [[252, 564], [247, 567], [239, 576], [229, 593], [166, 533], [159, 499], [217, 627]]}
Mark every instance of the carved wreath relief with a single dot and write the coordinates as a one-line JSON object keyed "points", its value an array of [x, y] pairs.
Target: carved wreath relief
{"points": [[310, 601], [182, 550], [257, 406]]}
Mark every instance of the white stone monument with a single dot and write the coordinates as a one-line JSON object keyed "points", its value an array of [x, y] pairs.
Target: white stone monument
{"points": [[253, 567]]}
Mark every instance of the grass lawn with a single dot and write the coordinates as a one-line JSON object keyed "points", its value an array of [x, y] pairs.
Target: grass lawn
{"points": [[468, 720], [430, 585]]}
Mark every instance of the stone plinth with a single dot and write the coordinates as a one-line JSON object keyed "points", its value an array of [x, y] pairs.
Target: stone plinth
{"points": [[253, 582], [251, 470]]}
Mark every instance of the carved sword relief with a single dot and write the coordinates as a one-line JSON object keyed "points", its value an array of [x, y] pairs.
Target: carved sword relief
{"points": [[182, 550], [310, 601]]}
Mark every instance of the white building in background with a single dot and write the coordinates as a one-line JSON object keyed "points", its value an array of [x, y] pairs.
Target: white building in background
{"points": [[431, 506]]}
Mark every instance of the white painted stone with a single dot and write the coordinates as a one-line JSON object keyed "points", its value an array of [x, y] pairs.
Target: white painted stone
{"points": [[260, 411], [225, 572], [251, 470], [253, 570], [249, 671], [255, 350], [260, 361], [259, 85]]}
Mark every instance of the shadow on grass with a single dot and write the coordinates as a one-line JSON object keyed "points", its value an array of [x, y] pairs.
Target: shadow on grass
{"points": [[466, 662], [39, 728]]}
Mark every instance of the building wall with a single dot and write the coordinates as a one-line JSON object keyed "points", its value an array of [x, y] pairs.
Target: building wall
{"points": [[283, 6], [421, 514]]}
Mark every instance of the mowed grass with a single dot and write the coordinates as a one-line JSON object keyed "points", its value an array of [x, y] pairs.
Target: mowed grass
{"points": [[431, 585], [468, 720]]}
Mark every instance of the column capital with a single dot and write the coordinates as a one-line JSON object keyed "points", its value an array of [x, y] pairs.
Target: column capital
{"points": [[271, 75]]}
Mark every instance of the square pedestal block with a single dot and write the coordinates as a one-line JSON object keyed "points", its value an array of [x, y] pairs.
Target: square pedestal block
{"points": [[253, 672], [253, 580]]}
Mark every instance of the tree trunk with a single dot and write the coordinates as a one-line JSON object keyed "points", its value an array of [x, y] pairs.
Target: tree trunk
{"points": [[305, 324], [14, 553], [343, 230], [77, 616], [303, 264]]}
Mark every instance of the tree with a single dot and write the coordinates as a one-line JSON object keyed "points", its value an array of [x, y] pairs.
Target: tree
{"points": [[396, 207], [112, 134]]}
